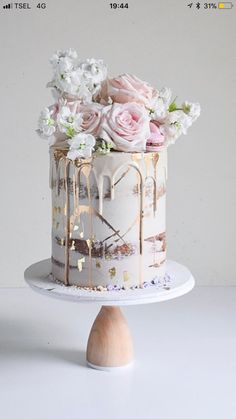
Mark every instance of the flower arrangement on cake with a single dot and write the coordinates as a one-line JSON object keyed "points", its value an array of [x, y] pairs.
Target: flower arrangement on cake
{"points": [[94, 113]]}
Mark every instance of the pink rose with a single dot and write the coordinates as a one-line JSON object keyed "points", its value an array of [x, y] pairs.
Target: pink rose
{"points": [[128, 88], [91, 115], [156, 139], [126, 126]]}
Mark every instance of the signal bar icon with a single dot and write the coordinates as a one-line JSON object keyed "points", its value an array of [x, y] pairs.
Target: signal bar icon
{"points": [[8, 6]]}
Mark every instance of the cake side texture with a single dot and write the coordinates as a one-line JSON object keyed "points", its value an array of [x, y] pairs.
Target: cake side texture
{"points": [[108, 219]]}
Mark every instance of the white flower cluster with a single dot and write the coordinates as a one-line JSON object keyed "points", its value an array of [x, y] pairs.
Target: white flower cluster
{"points": [[179, 120], [47, 125], [79, 79], [174, 121], [69, 121], [81, 146], [160, 105], [66, 121]]}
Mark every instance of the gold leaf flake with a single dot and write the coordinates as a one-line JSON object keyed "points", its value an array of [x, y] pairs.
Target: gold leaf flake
{"points": [[80, 264], [98, 264], [125, 276], [112, 272]]}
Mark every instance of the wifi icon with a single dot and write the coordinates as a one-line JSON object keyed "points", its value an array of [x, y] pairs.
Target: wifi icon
{"points": [[8, 6]]}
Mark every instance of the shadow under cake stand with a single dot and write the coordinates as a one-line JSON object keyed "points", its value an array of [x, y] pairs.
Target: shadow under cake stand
{"points": [[110, 343]]}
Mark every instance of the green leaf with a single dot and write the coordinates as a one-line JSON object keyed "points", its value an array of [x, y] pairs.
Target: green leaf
{"points": [[172, 107], [102, 147], [70, 131]]}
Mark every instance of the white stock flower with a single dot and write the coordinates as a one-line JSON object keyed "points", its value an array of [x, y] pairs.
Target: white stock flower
{"points": [[176, 123], [170, 132], [80, 80], [66, 78], [165, 94], [69, 55], [193, 110], [181, 119], [74, 84], [81, 145], [94, 71], [178, 120], [46, 125], [69, 121], [160, 104]]}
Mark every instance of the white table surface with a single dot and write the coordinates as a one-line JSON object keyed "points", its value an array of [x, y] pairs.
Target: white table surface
{"points": [[185, 364]]}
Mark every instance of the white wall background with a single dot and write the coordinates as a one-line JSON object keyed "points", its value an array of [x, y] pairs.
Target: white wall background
{"points": [[162, 42]]}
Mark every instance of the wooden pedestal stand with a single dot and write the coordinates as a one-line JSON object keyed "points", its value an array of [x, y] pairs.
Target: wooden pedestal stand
{"points": [[110, 343]]}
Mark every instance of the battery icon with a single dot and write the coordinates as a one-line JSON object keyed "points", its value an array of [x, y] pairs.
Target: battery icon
{"points": [[227, 5]]}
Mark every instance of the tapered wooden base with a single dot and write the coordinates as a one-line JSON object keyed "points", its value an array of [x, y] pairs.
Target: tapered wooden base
{"points": [[110, 343]]}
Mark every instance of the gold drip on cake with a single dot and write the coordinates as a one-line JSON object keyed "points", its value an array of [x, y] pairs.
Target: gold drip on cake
{"points": [[85, 169], [67, 221], [154, 193], [141, 214], [155, 159], [61, 162], [86, 172], [100, 182]]}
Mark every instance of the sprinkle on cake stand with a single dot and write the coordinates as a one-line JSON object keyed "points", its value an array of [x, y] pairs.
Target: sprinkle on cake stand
{"points": [[110, 343]]}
